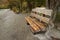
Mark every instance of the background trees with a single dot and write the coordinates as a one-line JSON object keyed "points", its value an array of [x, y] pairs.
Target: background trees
{"points": [[4, 3], [21, 4]]}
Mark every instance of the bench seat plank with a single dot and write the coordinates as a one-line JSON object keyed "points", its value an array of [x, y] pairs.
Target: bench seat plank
{"points": [[40, 25], [34, 26]]}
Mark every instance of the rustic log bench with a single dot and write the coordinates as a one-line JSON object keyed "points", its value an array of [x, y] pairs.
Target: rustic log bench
{"points": [[39, 20]]}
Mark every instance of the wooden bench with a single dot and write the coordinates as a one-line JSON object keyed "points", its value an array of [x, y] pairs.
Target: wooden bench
{"points": [[43, 15]]}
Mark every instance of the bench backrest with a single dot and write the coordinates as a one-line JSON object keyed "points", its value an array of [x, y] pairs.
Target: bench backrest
{"points": [[42, 14]]}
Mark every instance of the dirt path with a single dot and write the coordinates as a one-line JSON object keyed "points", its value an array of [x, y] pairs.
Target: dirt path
{"points": [[13, 27]]}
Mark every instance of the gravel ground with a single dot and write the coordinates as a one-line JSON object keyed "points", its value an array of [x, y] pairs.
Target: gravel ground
{"points": [[13, 26]]}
